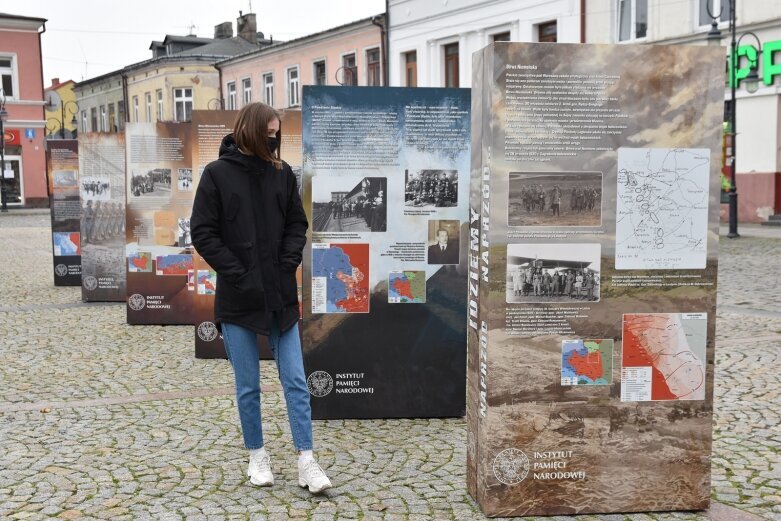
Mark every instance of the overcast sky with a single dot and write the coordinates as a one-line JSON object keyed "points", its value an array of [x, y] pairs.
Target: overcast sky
{"points": [[87, 38]]}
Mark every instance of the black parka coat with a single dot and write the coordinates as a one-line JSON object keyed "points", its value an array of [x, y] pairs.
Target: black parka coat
{"points": [[249, 225]]}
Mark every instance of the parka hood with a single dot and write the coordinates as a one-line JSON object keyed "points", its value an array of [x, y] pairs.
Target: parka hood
{"points": [[229, 151]]}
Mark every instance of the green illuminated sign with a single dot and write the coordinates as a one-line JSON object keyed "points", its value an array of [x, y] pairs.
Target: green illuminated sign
{"points": [[746, 59]]}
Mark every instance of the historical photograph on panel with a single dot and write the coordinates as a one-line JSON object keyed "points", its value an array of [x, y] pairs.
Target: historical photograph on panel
{"points": [[663, 356], [553, 273], [555, 199], [184, 178], [349, 204], [102, 221], [340, 278], [431, 188], [443, 241], [95, 188], [183, 237], [407, 287], [587, 361], [151, 183], [662, 208], [65, 178]]}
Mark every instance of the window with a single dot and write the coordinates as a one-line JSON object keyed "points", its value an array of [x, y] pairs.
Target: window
{"points": [[149, 107], [135, 109], [84, 121], [160, 105], [246, 90], [350, 70], [373, 68], [103, 119], [93, 117], [451, 65], [232, 95], [320, 73], [546, 32], [112, 118], [501, 37], [183, 104], [719, 8], [292, 87], [411, 68], [7, 76], [632, 19], [121, 111], [268, 88]]}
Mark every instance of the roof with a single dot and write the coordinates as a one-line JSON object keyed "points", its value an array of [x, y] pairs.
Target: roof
{"points": [[301, 40], [23, 18], [190, 38], [225, 47], [57, 86]]}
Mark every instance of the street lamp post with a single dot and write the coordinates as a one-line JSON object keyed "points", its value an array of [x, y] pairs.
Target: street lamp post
{"points": [[752, 83], [3, 118]]}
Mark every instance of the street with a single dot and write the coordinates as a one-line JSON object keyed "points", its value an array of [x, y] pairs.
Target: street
{"points": [[102, 419]]}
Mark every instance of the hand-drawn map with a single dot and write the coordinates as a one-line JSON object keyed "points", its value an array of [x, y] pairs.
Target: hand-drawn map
{"points": [[662, 208], [663, 357]]}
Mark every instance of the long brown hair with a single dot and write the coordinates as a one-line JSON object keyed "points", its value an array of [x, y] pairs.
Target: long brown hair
{"points": [[251, 131]]}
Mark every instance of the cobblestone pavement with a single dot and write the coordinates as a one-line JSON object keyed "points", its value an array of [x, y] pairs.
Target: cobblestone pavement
{"points": [[99, 419]]}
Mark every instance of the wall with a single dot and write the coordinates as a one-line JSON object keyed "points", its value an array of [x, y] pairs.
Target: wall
{"points": [[426, 27], [203, 78], [68, 99], [329, 47], [96, 94], [26, 111]]}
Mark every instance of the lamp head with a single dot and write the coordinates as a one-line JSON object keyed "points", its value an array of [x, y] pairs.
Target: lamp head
{"points": [[714, 35], [3, 114], [752, 81]]}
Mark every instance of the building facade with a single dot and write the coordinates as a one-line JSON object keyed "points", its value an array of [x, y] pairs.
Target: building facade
{"points": [[61, 110], [347, 55], [431, 43], [758, 114], [21, 80], [101, 103]]}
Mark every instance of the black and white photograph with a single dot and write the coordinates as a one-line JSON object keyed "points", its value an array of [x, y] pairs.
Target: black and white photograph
{"points": [[65, 178], [349, 204], [184, 177], [102, 221], [443, 241], [151, 183], [555, 199], [553, 273], [95, 188], [183, 237], [431, 188]]}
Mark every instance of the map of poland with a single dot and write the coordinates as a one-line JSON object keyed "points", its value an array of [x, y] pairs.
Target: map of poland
{"points": [[663, 357], [587, 362], [340, 278], [407, 287], [662, 208]]}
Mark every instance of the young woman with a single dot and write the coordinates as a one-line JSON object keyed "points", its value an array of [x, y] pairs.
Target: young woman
{"points": [[249, 225]]}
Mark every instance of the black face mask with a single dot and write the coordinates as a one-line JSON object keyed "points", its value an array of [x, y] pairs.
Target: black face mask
{"points": [[272, 143]]}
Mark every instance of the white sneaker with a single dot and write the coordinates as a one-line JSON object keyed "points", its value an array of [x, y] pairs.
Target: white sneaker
{"points": [[259, 471], [311, 475]]}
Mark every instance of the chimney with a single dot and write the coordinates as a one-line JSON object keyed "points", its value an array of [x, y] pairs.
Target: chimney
{"points": [[247, 27], [223, 31], [55, 81]]}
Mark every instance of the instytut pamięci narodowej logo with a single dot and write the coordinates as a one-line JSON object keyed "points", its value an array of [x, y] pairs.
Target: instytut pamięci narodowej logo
{"points": [[511, 466], [319, 384], [207, 331], [61, 270], [90, 283], [136, 302]]}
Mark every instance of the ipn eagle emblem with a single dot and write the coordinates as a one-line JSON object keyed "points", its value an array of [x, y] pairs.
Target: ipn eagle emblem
{"points": [[207, 331], [136, 302], [511, 466], [61, 270], [319, 383], [90, 283]]}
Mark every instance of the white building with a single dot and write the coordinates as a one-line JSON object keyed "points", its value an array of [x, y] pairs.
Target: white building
{"points": [[432, 41], [758, 154]]}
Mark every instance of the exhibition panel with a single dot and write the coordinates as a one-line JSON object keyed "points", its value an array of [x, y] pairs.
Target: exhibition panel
{"points": [[592, 289], [385, 189], [62, 170]]}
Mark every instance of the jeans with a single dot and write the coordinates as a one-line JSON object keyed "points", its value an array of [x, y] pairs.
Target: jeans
{"points": [[242, 349]]}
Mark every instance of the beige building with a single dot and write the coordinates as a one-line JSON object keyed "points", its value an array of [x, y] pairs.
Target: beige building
{"points": [[351, 54], [758, 114], [101, 103]]}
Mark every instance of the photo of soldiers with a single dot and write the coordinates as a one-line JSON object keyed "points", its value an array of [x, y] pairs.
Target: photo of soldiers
{"points": [[557, 273], [426, 188], [151, 183], [183, 238], [555, 199], [349, 204], [95, 188], [184, 179], [102, 221]]}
